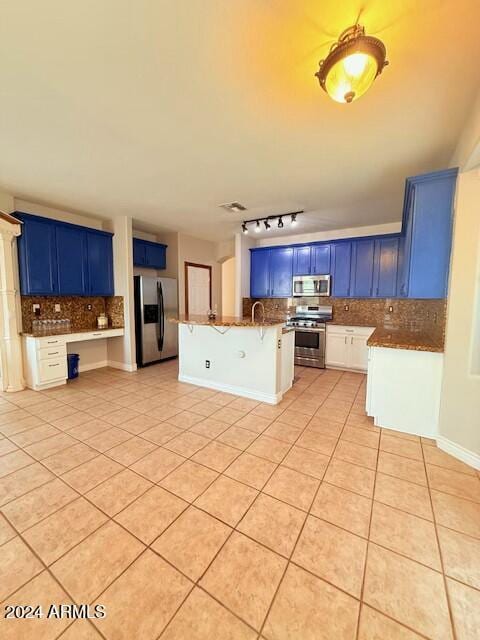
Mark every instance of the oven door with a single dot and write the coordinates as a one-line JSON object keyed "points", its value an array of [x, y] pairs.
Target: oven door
{"points": [[310, 347]]}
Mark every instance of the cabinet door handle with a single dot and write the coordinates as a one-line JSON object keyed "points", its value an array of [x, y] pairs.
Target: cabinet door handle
{"points": [[52, 342], [54, 353], [97, 334], [351, 340], [54, 365], [345, 339], [349, 330]]}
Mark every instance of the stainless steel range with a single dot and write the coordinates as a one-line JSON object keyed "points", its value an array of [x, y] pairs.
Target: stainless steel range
{"points": [[310, 333]]}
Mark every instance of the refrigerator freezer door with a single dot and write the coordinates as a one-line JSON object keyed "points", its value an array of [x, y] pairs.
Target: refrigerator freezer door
{"points": [[150, 320]]}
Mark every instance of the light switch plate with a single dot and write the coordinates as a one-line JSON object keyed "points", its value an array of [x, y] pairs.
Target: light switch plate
{"points": [[57, 308]]}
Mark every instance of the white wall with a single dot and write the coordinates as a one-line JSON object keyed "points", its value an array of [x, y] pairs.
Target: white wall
{"points": [[460, 406], [335, 234], [58, 214], [228, 287], [7, 202], [243, 244]]}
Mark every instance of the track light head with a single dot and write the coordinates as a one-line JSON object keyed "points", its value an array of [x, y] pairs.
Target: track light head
{"points": [[244, 227], [280, 223], [294, 219], [257, 227], [267, 224]]}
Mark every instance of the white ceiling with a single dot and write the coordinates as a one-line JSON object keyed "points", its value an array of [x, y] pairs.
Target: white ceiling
{"points": [[163, 109]]}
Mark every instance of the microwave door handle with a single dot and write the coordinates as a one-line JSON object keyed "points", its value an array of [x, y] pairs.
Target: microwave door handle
{"points": [[161, 319]]}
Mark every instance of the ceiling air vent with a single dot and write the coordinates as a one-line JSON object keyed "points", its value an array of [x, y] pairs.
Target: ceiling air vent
{"points": [[233, 206]]}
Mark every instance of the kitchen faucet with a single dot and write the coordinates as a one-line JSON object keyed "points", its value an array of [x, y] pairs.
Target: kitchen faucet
{"points": [[263, 311]]}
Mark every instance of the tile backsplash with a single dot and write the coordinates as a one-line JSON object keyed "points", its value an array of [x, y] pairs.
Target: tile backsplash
{"points": [[75, 308], [413, 315]]}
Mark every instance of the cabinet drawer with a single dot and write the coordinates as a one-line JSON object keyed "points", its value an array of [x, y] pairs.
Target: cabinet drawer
{"points": [[346, 330], [52, 369], [50, 341], [54, 351]]}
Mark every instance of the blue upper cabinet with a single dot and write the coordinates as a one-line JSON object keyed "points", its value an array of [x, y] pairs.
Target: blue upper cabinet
{"points": [[260, 273], [99, 263], [37, 256], [386, 267], [341, 261], [361, 281], [321, 259], [281, 265], [152, 255], [57, 258], [271, 272], [427, 228], [302, 263]]}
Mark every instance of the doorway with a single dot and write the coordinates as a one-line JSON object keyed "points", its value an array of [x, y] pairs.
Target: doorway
{"points": [[198, 288]]}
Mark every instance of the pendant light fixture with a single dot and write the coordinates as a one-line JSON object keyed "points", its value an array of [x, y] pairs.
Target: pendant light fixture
{"points": [[352, 65]]}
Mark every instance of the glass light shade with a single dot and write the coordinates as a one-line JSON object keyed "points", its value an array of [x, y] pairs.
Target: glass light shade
{"points": [[351, 77]]}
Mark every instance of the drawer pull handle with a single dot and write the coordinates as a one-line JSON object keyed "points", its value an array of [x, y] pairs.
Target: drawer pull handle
{"points": [[97, 334], [54, 365], [52, 342], [349, 330], [54, 353]]}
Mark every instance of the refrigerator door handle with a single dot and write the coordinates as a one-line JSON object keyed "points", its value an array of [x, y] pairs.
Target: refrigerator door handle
{"points": [[161, 317]]}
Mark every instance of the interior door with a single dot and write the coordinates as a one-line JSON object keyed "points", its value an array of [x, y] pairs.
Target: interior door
{"points": [[198, 289]]}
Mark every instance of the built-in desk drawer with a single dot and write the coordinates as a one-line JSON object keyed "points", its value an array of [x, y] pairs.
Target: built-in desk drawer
{"points": [[50, 341], [52, 369], [55, 351]]}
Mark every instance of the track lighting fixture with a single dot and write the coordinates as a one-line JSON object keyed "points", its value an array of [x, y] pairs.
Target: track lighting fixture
{"points": [[268, 219]]}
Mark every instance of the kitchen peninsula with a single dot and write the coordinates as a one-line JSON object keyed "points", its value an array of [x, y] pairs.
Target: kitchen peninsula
{"points": [[253, 359]]}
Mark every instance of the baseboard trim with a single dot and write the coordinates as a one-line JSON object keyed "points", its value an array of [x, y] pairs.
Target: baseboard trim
{"points": [[227, 388], [121, 365], [457, 451]]}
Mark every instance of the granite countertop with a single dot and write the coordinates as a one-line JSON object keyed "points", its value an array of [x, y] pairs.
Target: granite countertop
{"points": [[67, 333], [226, 321], [405, 339]]}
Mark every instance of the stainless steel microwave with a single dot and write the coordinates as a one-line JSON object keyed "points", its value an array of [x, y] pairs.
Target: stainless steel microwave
{"points": [[309, 286]]}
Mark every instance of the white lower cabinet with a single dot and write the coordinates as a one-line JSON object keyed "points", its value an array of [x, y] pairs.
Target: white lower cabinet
{"points": [[347, 347]]}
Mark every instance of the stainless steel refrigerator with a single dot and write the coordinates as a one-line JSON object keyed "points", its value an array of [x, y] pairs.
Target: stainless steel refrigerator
{"points": [[155, 303]]}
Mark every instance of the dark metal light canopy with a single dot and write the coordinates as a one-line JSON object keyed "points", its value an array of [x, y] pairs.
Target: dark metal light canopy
{"points": [[352, 65]]}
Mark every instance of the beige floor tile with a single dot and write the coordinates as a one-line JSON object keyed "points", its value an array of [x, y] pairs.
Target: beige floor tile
{"points": [[465, 605], [39, 503], [156, 465], [440, 458], [267, 412], [154, 588], [325, 427], [89, 429], [17, 565], [269, 448], [456, 513], [151, 514], [6, 530], [376, 626], [403, 495], [351, 477], [317, 442], [93, 565], [44, 591], [192, 541], [129, 452], [454, 483], [343, 508], [7, 447], [356, 454], [119, 416], [332, 554], [162, 433], [210, 428], [108, 439], [91, 473], [139, 424], [361, 436], [400, 434], [17, 426], [294, 418], [185, 419], [228, 415], [187, 443], [201, 618], [227, 500], [255, 421], [308, 608], [273, 523], [237, 437], [408, 592], [189, 480], [13, 462], [251, 470], [81, 630], [401, 447], [306, 461], [119, 491], [70, 458], [293, 487], [37, 434], [61, 531], [285, 432], [461, 556], [50, 446], [216, 456], [20, 482], [244, 577], [405, 534], [244, 404], [400, 467]]}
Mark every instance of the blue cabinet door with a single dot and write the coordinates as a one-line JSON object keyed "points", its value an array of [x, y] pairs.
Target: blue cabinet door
{"points": [[99, 260], [321, 259], [37, 256], [341, 264], [139, 257], [259, 273], [71, 268], [155, 255], [302, 261], [363, 252], [386, 267], [281, 271]]}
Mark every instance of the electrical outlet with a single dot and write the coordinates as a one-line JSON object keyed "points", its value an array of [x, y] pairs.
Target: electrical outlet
{"points": [[89, 307], [390, 309], [57, 308], [207, 364], [346, 307], [36, 309]]}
